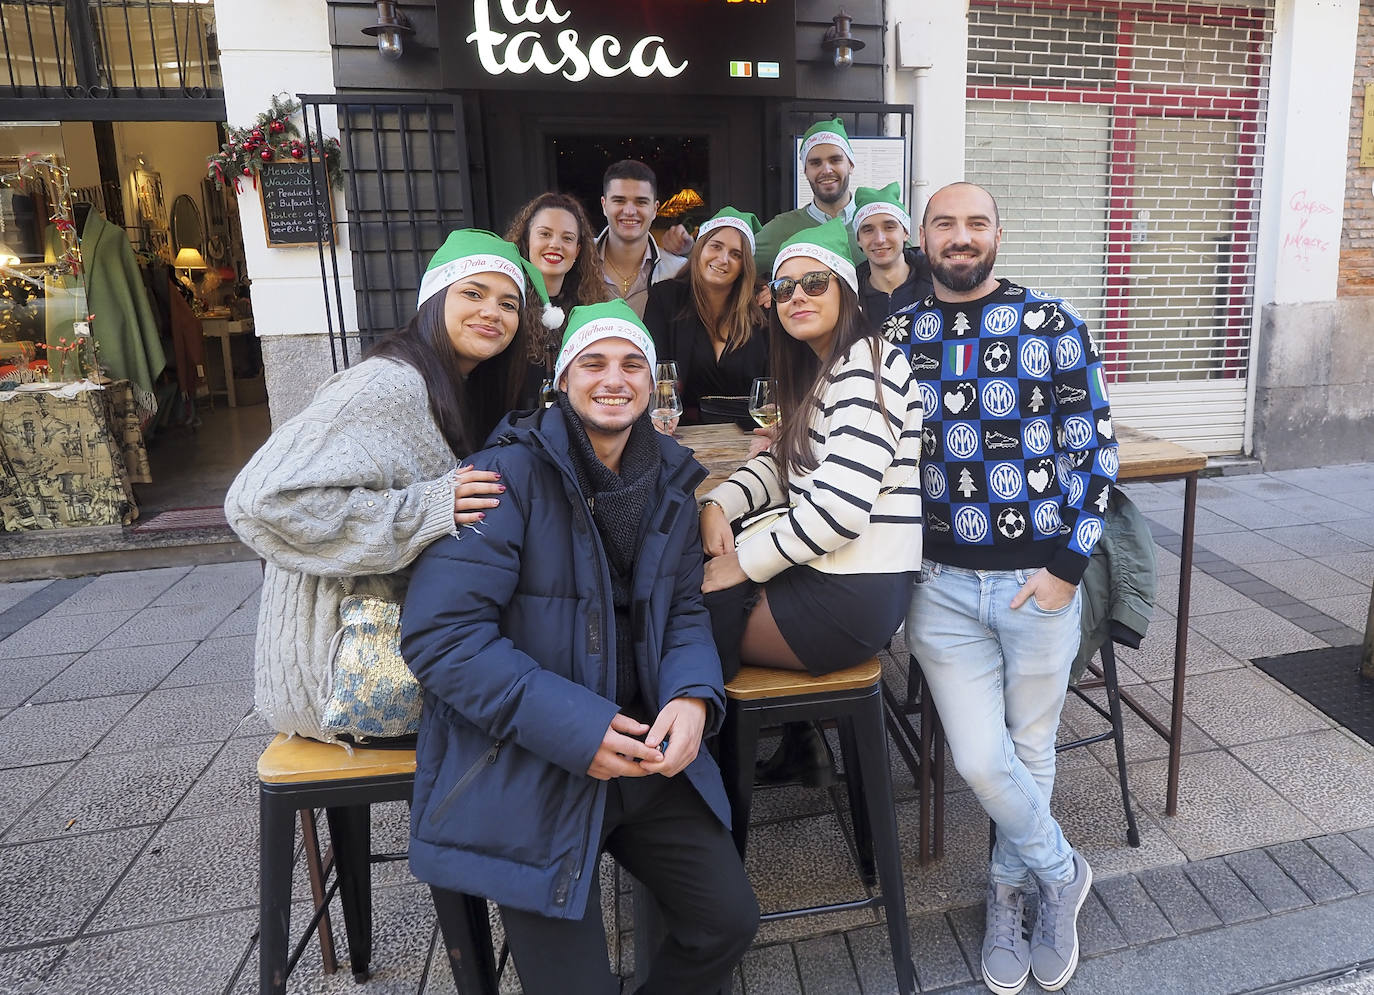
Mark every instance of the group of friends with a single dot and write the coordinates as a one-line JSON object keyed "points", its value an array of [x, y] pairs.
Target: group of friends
{"points": [[573, 607]]}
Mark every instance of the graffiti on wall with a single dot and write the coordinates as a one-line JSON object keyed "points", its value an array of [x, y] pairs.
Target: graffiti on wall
{"points": [[1301, 241]]}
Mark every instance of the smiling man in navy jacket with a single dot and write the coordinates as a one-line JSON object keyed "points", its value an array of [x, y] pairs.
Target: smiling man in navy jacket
{"points": [[570, 676]]}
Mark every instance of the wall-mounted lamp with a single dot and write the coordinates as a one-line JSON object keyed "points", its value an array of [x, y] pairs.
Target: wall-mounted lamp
{"points": [[390, 30], [839, 40]]}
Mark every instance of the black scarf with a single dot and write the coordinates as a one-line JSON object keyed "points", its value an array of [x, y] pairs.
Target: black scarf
{"points": [[618, 502]]}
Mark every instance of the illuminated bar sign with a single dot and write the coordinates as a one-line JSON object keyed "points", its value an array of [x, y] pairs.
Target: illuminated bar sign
{"points": [[731, 47]]}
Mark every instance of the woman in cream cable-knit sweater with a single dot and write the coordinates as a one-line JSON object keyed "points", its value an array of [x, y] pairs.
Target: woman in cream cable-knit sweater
{"points": [[825, 585], [347, 493]]}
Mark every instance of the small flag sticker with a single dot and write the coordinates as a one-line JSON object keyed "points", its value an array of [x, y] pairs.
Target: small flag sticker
{"points": [[741, 69], [1097, 384], [768, 70]]}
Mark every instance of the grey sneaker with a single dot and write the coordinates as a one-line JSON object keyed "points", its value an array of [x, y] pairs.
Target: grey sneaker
{"points": [[1006, 951], [1054, 942]]}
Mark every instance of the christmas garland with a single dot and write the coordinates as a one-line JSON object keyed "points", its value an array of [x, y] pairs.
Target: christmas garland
{"points": [[273, 137]]}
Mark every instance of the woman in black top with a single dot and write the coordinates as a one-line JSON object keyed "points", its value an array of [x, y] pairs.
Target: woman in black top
{"points": [[706, 320]]}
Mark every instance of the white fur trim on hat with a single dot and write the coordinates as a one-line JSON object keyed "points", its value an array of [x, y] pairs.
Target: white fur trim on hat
{"points": [[440, 277], [882, 207], [595, 331], [728, 222], [843, 268], [827, 138]]}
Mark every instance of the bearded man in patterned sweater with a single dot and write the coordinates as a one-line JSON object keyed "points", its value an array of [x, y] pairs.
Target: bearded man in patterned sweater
{"points": [[1019, 459]]}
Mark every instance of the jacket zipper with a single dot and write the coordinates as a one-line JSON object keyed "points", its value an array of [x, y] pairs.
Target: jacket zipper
{"points": [[469, 775]]}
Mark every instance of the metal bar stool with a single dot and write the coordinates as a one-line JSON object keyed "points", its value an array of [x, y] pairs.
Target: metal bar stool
{"points": [[1105, 677], [294, 774], [924, 753], [760, 696]]}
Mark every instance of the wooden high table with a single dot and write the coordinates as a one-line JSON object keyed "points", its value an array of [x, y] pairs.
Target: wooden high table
{"points": [[1143, 458]]}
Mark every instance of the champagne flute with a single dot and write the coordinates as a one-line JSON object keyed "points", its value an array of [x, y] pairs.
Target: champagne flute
{"points": [[763, 402], [667, 406]]}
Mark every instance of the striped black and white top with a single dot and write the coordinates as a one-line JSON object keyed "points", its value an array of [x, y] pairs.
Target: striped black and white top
{"points": [[859, 511]]}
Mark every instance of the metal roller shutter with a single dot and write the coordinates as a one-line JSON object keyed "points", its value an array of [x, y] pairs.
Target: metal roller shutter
{"points": [[1124, 141]]}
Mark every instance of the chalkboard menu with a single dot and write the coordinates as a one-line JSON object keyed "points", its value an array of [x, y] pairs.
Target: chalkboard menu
{"points": [[291, 214]]}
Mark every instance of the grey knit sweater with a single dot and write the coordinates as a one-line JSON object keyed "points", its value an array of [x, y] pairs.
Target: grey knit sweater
{"points": [[341, 499]]}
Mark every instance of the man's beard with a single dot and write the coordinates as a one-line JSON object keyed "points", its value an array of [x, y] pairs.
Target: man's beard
{"points": [[834, 198], [961, 281]]}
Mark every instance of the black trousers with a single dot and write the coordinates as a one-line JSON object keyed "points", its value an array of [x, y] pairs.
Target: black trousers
{"points": [[659, 830]]}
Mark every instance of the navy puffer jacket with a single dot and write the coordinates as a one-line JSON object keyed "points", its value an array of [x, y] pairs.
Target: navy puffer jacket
{"points": [[511, 633]]}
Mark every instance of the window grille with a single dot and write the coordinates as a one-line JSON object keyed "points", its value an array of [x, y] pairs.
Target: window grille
{"points": [[1124, 142]]}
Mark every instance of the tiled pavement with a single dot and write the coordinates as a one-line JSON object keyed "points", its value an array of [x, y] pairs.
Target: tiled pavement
{"points": [[128, 805]]}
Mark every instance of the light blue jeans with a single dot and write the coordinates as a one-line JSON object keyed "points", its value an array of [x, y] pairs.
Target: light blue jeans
{"points": [[998, 678]]}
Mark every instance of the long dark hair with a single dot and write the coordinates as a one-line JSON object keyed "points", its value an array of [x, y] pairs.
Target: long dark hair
{"points": [[802, 376], [466, 409], [740, 315]]}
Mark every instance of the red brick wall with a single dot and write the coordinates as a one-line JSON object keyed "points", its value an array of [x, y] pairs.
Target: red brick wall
{"points": [[1356, 274]]}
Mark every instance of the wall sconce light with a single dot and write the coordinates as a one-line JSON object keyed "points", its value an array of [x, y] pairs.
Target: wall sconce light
{"points": [[839, 40], [391, 28]]}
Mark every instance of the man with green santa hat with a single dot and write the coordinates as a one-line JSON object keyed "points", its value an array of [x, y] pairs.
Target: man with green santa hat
{"points": [[570, 676], [893, 274], [828, 160]]}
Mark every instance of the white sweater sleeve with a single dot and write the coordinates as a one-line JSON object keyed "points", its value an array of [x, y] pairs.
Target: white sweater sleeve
{"points": [[855, 436]]}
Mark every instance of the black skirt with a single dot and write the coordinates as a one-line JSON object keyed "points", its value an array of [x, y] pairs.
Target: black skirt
{"points": [[833, 621]]}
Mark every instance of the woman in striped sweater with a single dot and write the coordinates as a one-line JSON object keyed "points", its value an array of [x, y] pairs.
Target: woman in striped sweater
{"points": [[826, 584]]}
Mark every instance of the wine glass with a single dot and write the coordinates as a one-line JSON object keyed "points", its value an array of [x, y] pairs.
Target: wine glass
{"points": [[667, 406], [763, 402], [666, 370]]}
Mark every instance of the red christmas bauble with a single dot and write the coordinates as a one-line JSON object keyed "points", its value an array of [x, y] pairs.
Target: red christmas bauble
{"points": [[257, 134], [265, 155], [277, 127], [247, 170], [298, 152]]}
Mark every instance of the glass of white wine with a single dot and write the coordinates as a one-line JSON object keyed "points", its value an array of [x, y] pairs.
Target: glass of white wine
{"points": [[667, 406], [763, 402], [666, 369]]}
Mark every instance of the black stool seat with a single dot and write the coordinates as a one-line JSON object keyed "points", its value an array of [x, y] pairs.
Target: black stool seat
{"points": [[761, 696]]}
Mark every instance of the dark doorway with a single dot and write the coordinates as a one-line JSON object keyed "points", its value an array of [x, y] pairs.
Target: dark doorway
{"points": [[682, 164]]}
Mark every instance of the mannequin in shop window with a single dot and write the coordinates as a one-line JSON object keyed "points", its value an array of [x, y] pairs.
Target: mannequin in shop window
{"points": [[124, 325]]}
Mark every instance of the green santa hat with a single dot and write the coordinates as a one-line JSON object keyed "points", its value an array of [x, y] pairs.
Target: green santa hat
{"points": [[592, 322], [827, 133], [888, 200], [828, 244], [742, 221], [472, 250]]}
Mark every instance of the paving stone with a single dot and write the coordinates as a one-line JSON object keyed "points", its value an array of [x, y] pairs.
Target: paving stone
{"points": [[1352, 609], [21, 786], [1154, 660], [1352, 863], [62, 730], [825, 966], [1245, 548], [1360, 528], [214, 583], [168, 716], [1317, 772], [54, 634], [1313, 874], [242, 621], [17, 590], [1182, 904], [230, 783], [155, 959], [1205, 523], [1207, 595], [1254, 632], [120, 670], [191, 867], [1087, 804], [1132, 909], [1308, 579], [1226, 893], [1098, 932], [124, 591], [934, 948], [771, 970], [169, 624], [1223, 806], [107, 791], [1360, 566], [20, 677], [1315, 508], [215, 661], [48, 889], [968, 923], [1271, 711], [1250, 512], [1270, 884], [22, 972], [1262, 486], [1313, 540], [1364, 839], [798, 864]]}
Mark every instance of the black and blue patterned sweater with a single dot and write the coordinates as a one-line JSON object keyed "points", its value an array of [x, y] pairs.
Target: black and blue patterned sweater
{"points": [[1018, 451]]}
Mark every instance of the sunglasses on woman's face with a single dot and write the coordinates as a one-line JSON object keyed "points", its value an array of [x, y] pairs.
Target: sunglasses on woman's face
{"points": [[813, 284]]}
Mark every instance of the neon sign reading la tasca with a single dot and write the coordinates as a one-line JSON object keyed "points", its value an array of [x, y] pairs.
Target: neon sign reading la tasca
{"points": [[500, 52]]}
